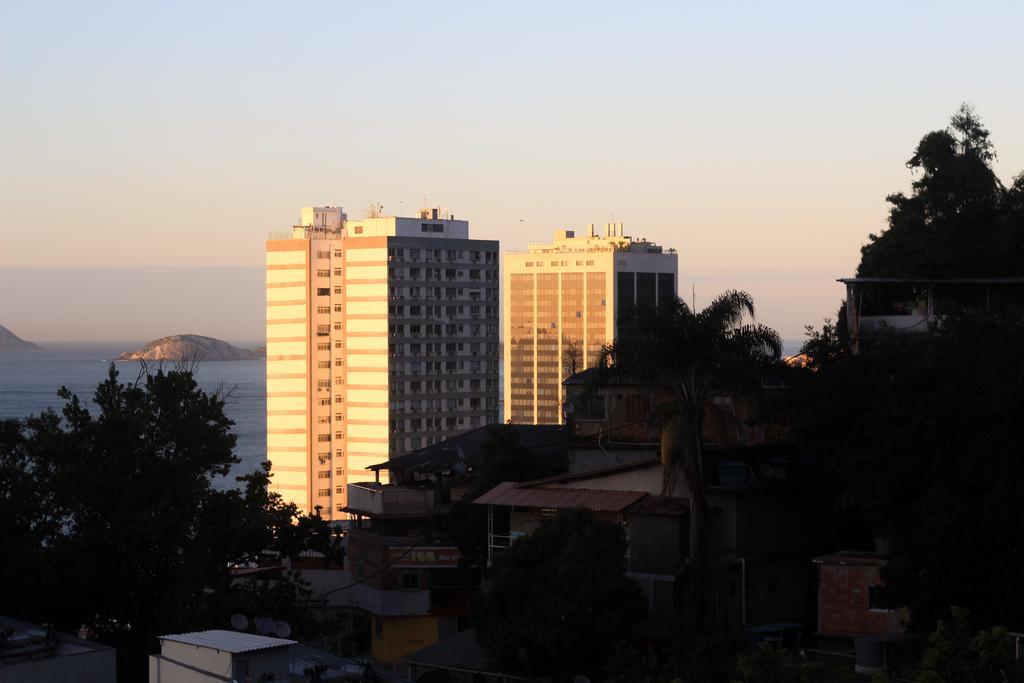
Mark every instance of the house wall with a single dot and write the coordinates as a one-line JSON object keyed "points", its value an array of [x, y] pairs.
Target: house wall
{"points": [[276, 661], [729, 419], [84, 667], [204, 658], [525, 521], [163, 670], [657, 544], [775, 531], [777, 590], [593, 458], [768, 521], [395, 637], [364, 558], [843, 608]]}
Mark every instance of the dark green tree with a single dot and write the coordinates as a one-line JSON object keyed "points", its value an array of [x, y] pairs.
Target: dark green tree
{"points": [[828, 345], [958, 654], [503, 458], [959, 220], [692, 354], [112, 521], [923, 439], [559, 598]]}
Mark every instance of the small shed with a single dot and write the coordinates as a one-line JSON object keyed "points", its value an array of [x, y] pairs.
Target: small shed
{"points": [[851, 597], [219, 655]]}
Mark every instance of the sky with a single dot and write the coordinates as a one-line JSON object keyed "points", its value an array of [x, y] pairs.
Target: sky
{"points": [[146, 150]]}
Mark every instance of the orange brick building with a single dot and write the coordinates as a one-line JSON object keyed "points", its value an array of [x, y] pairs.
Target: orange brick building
{"points": [[850, 601]]}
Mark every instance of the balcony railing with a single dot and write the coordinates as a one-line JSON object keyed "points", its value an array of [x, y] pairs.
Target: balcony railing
{"points": [[377, 500]]}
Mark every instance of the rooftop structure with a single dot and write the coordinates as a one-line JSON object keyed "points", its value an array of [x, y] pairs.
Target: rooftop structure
{"points": [[30, 653], [233, 642], [875, 305], [214, 656]]}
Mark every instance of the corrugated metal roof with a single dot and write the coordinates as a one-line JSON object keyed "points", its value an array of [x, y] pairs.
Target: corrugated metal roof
{"points": [[853, 558], [510, 494], [661, 506], [548, 441], [596, 473], [461, 653], [228, 641], [933, 280]]}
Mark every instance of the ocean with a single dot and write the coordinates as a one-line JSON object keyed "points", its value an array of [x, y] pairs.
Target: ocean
{"points": [[29, 381]]}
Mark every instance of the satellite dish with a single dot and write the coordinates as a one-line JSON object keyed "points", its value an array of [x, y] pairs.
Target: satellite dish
{"points": [[239, 622], [568, 408], [282, 629], [264, 625]]}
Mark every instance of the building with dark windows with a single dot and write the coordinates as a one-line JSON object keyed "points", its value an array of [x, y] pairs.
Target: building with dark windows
{"points": [[562, 303]]}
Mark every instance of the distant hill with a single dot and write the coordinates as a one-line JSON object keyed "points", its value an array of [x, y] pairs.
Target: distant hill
{"points": [[12, 342], [189, 347]]}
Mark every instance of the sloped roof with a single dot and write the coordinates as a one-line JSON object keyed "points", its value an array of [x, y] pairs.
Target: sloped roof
{"points": [[460, 652], [932, 280], [545, 440], [596, 377], [596, 473], [510, 494], [852, 558], [228, 641], [662, 506]]}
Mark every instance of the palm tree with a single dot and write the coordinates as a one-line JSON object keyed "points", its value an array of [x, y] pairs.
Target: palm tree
{"points": [[692, 355]]}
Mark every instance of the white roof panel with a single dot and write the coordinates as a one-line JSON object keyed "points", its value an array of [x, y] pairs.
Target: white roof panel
{"points": [[228, 641]]}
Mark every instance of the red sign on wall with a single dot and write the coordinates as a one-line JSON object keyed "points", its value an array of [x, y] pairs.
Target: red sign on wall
{"points": [[404, 557]]}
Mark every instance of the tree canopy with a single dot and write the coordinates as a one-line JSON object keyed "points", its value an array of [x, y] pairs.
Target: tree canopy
{"points": [[109, 520], [559, 598], [959, 220], [923, 437], [691, 354]]}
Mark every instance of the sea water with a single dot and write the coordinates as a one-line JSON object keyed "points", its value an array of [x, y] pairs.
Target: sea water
{"points": [[29, 381]]}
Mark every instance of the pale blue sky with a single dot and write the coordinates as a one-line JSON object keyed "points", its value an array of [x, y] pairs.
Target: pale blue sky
{"points": [[759, 139]]}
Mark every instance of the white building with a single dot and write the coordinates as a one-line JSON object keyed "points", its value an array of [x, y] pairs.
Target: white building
{"points": [[208, 656], [382, 337]]}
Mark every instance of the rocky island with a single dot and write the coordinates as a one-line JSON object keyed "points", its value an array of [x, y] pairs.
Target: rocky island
{"points": [[12, 342], [189, 347]]}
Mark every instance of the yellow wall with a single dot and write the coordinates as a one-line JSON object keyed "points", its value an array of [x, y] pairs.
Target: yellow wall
{"points": [[402, 635]]}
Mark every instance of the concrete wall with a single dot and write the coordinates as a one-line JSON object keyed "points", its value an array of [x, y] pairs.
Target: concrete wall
{"points": [[523, 522], [657, 544], [96, 666], [204, 658], [288, 398], [394, 637], [276, 661], [162, 670], [183, 663]]}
